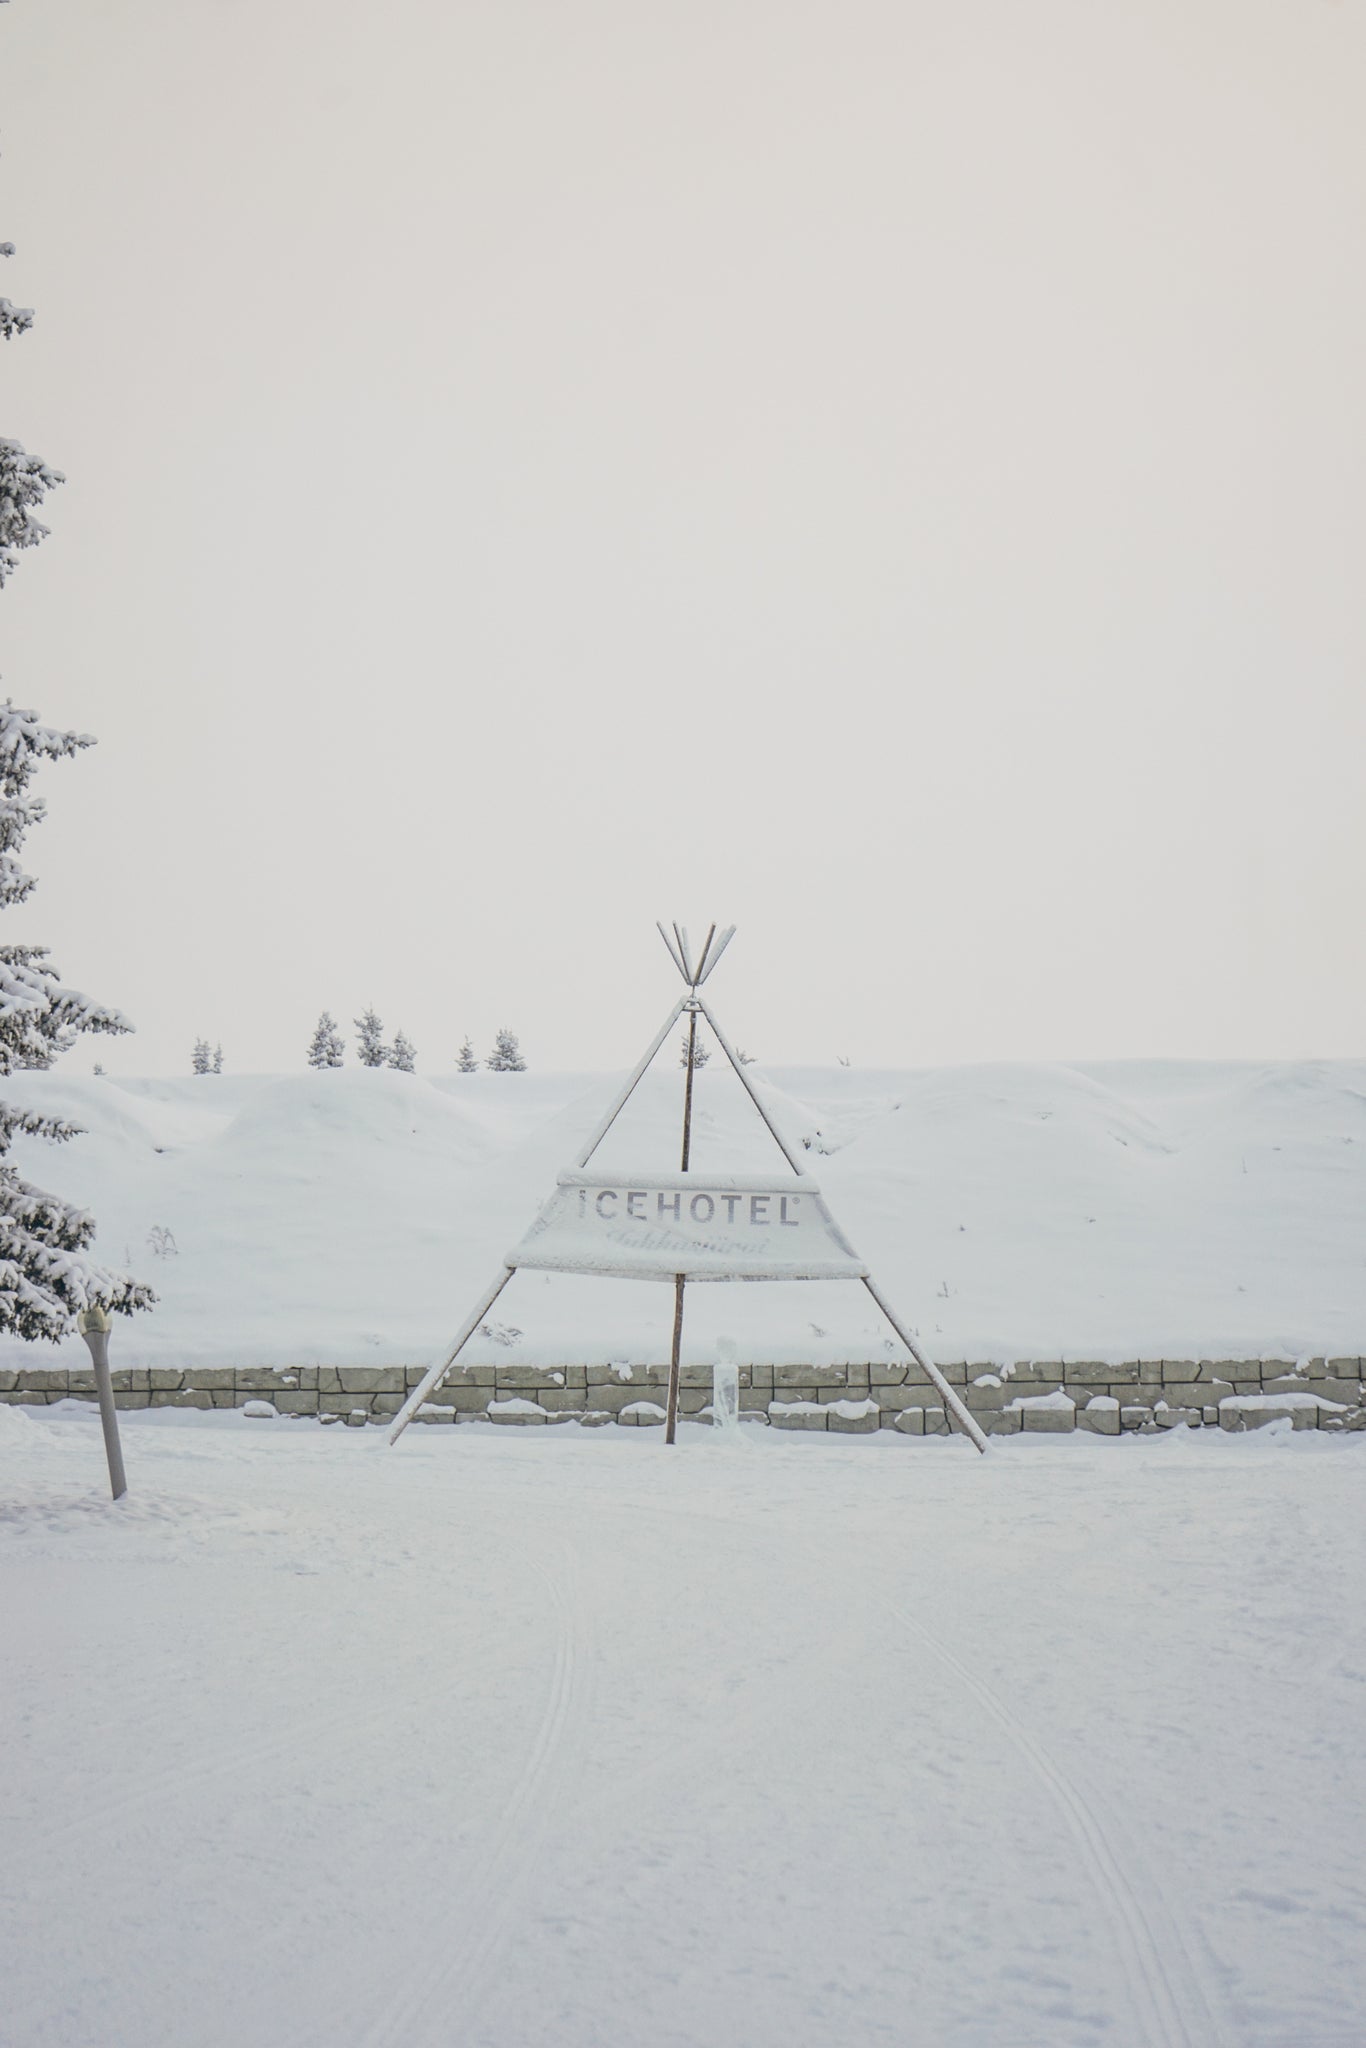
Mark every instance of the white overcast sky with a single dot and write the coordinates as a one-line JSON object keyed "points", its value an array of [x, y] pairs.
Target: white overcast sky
{"points": [[887, 473]]}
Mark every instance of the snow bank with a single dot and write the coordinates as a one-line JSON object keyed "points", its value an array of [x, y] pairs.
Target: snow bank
{"points": [[1106, 1212]]}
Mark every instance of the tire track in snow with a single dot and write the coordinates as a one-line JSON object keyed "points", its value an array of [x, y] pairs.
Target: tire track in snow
{"points": [[494, 1877], [1170, 2017]]}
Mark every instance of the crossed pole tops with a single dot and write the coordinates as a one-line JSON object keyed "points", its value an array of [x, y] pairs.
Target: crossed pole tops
{"points": [[680, 952]]}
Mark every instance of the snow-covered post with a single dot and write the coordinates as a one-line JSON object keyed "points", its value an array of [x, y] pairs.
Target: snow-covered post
{"points": [[93, 1324]]}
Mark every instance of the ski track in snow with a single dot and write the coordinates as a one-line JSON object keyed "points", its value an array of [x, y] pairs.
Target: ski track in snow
{"points": [[1170, 2016], [485, 1901]]}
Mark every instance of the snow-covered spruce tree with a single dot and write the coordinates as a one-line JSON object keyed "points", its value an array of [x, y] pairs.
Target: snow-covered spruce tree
{"points": [[403, 1054], [201, 1059], [44, 1278], [370, 1040], [465, 1061], [328, 1048], [217, 1066], [506, 1057], [700, 1053]]}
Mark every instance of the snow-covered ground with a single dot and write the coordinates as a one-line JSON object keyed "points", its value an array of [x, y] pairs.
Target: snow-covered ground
{"points": [[1134, 1210], [571, 1741]]}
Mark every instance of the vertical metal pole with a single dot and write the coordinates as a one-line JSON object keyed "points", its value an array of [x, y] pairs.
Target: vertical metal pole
{"points": [[98, 1341], [672, 1420]]}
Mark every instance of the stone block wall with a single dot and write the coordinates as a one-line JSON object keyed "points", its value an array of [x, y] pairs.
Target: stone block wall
{"points": [[1036, 1396]]}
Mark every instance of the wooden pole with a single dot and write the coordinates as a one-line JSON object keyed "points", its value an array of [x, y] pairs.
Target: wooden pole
{"points": [[671, 1423], [433, 1379], [93, 1325]]}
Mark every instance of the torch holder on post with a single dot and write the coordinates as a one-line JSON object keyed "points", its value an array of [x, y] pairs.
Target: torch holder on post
{"points": [[94, 1325]]}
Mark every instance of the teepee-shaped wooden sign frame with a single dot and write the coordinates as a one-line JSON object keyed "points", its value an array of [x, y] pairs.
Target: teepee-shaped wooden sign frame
{"points": [[686, 1226]]}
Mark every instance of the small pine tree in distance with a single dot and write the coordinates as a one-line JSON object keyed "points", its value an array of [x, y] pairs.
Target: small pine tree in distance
{"points": [[217, 1066], [403, 1054], [465, 1061], [328, 1048], [506, 1057], [370, 1046], [700, 1053], [201, 1059]]}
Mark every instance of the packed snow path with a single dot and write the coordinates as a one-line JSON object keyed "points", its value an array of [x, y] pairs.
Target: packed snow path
{"points": [[578, 1742]]}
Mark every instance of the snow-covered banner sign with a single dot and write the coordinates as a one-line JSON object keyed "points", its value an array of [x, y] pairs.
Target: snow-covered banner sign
{"points": [[655, 1226]]}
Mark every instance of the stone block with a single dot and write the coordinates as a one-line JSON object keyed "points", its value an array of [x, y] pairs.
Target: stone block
{"points": [[852, 1418], [80, 1381], [297, 1401], [1181, 1370], [557, 1399], [356, 1418], [130, 1379], [890, 1399], [934, 1421], [1240, 1413], [264, 1379], [371, 1379], [521, 1378], [1210, 1416], [999, 1421], [1184, 1393], [515, 1410], [881, 1375], [19, 1397], [210, 1376], [181, 1397], [1045, 1416], [1090, 1373], [468, 1400], [642, 1414], [135, 1397], [1174, 1415], [336, 1403], [1315, 1368], [856, 1376], [692, 1400], [1030, 1371], [788, 1376], [9, 1379], [797, 1415], [426, 1413], [380, 1404], [594, 1418], [1344, 1368], [1100, 1416], [1135, 1418], [222, 1397], [620, 1374], [981, 1398], [759, 1376], [47, 1379], [910, 1421]]}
